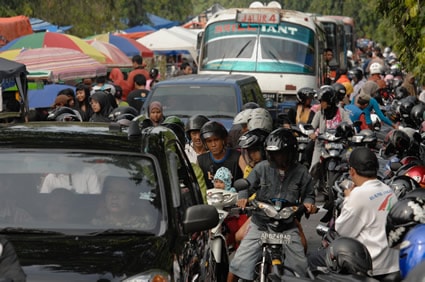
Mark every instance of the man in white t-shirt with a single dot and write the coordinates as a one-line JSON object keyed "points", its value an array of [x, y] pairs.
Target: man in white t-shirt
{"points": [[84, 182]]}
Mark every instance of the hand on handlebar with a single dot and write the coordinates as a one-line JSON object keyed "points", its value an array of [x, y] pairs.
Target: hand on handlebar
{"points": [[311, 208], [313, 136], [242, 203]]}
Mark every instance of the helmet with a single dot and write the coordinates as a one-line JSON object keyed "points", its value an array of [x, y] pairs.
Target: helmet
{"points": [[412, 249], [153, 73], [417, 173], [65, 114], [260, 118], [305, 93], [340, 91], [400, 92], [253, 139], [282, 141], [403, 184], [327, 93], [195, 123], [173, 119], [242, 117], [375, 68], [406, 106], [396, 142], [404, 214], [347, 255], [123, 114], [213, 128], [417, 113], [250, 105], [344, 130], [358, 73]]}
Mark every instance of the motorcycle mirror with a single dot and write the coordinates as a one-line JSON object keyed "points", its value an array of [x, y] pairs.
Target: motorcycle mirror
{"points": [[241, 184]]}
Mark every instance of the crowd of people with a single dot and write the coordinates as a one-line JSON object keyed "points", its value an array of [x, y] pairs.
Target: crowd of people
{"points": [[265, 152]]}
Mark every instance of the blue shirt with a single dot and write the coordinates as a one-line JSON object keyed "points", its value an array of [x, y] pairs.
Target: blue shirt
{"points": [[374, 105]]}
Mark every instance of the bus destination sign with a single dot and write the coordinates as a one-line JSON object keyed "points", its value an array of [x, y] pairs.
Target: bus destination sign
{"points": [[258, 17]]}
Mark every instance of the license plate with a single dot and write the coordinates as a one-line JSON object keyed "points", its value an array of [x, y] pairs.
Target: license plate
{"points": [[275, 238], [334, 146]]}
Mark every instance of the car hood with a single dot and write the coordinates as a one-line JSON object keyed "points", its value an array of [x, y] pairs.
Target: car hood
{"points": [[76, 258]]}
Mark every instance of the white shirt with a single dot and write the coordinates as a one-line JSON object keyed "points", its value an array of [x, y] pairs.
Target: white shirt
{"points": [[85, 182], [191, 153], [364, 216]]}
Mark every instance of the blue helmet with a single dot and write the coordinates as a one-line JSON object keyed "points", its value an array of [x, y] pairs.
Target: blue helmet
{"points": [[412, 249]]}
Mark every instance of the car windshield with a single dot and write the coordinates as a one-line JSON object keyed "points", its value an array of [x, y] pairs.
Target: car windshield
{"points": [[69, 191], [188, 100]]}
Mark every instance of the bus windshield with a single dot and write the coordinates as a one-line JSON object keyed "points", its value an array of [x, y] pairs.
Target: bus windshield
{"points": [[282, 48]]}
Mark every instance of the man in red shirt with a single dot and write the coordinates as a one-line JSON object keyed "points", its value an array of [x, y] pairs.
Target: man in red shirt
{"points": [[138, 68]]}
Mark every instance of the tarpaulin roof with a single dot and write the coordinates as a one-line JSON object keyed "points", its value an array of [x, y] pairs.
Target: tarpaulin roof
{"points": [[41, 25], [13, 27]]}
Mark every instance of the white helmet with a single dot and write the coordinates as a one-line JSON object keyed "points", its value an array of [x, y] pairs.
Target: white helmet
{"points": [[242, 117], [375, 68], [260, 118]]}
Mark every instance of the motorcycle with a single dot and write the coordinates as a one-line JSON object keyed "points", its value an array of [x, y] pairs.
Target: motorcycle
{"points": [[218, 256], [302, 133], [271, 267]]}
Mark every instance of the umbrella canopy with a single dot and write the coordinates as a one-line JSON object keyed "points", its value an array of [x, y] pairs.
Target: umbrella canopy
{"points": [[118, 58], [65, 64], [127, 45], [45, 97], [54, 39]]}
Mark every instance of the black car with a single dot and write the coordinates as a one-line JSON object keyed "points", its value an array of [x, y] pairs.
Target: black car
{"points": [[96, 202]]}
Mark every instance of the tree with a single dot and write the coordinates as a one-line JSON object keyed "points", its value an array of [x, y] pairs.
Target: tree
{"points": [[407, 23]]}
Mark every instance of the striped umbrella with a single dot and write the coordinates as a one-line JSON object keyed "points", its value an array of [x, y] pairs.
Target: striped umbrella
{"points": [[64, 64], [129, 46], [54, 39], [118, 58]]}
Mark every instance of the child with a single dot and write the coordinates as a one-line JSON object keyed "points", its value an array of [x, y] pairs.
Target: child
{"points": [[223, 179]]}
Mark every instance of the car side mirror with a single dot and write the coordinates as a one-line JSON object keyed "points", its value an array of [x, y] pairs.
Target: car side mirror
{"points": [[199, 218]]}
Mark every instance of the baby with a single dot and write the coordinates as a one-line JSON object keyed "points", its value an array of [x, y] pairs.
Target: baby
{"points": [[223, 179]]}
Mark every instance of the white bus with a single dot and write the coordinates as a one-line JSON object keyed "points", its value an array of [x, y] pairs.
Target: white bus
{"points": [[282, 48]]}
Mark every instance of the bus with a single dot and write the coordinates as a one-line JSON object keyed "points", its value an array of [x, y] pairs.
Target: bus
{"points": [[335, 39], [281, 48], [349, 29]]}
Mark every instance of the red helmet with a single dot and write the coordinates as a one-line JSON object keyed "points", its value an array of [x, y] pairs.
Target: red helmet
{"points": [[417, 173]]}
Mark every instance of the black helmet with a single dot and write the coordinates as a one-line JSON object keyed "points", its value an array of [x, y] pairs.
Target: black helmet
{"points": [[358, 73], [348, 256], [253, 139], [305, 93], [153, 73], [396, 142], [282, 141], [403, 184], [123, 113], [406, 105], [340, 91], [195, 123], [327, 93], [344, 130], [403, 216], [417, 113], [213, 128], [400, 93], [65, 114]]}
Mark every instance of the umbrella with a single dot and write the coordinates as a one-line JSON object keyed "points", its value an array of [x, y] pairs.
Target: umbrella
{"points": [[65, 64], [44, 98], [129, 46], [54, 39], [118, 58]]}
